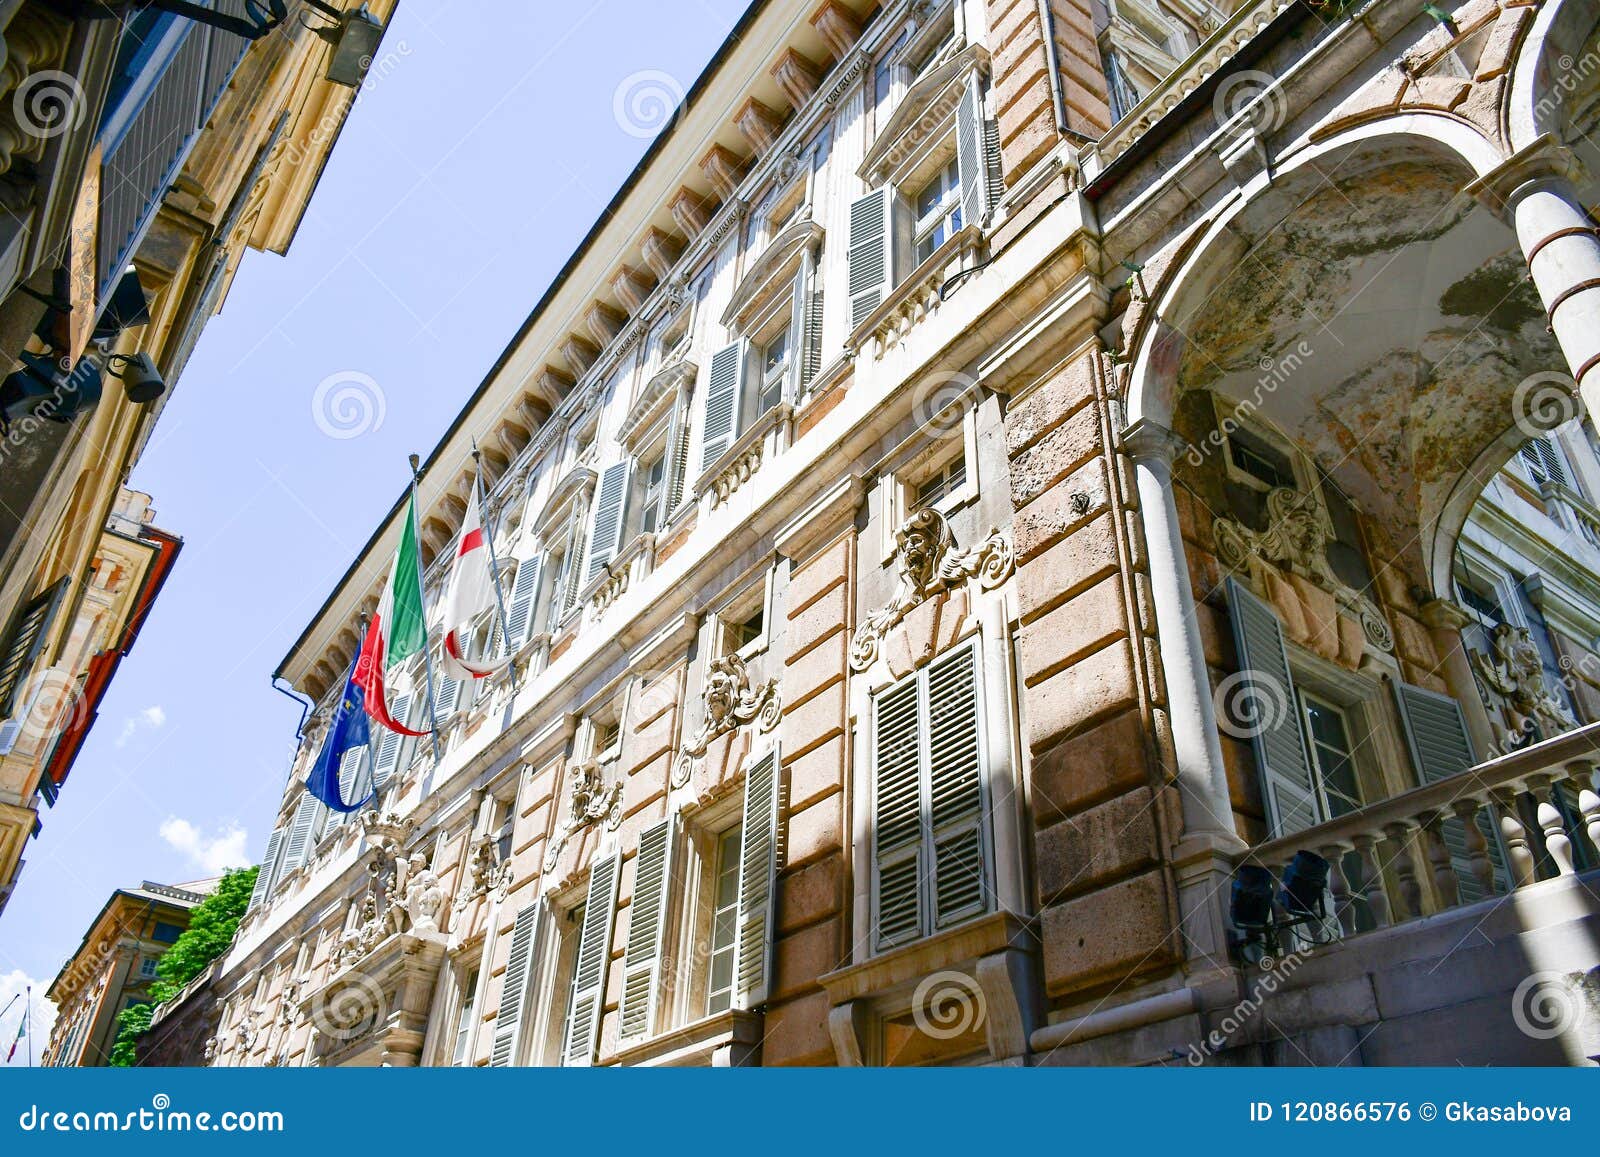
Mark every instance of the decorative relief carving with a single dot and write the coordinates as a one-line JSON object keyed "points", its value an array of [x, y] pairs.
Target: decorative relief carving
{"points": [[487, 873], [736, 474], [730, 698], [1514, 674], [928, 561], [1297, 538], [403, 893], [589, 801]]}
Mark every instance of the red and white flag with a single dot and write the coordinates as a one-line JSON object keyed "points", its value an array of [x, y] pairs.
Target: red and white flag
{"points": [[470, 595]]}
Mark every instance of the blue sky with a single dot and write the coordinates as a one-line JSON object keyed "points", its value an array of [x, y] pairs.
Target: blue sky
{"points": [[485, 144]]}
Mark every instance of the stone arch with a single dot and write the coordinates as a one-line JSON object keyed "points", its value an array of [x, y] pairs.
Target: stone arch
{"points": [[1557, 71], [1380, 290]]}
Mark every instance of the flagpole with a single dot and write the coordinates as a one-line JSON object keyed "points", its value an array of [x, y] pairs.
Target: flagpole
{"points": [[427, 651], [489, 532], [27, 1011]]}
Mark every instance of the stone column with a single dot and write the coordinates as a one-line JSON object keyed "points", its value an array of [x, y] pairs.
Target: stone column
{"points": [[1444, 620], [1535, 192], [1202, 779]]}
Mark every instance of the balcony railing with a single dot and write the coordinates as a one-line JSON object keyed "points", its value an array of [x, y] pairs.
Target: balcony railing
{"points": [[1405, 865]]}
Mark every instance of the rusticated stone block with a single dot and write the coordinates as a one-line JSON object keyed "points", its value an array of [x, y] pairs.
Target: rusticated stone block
{"points": [[818, 575], [824, 616], [796, 1032], [805, 955], [817, 773], [1084, 623], [816, 830], [1108, 841], [1118, 931], [1096, 686], [806, 674], [809, 894], [1067, 569], [1105, 760], [1069, 388], [1055, 455], [1062, 509]]}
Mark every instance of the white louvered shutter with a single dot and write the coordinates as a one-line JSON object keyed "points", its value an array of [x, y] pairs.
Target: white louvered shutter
{"points": [[610, 505], [269, 862], [305, 817], [897, 816], [811, 355], [971, 163], [447, 694], [679, 466], [392, 742], [514, 987], [1441, 747], [955, 790], [594, 961], [519, 612], [1287, 787], [724, 396], [870, 253], [647, 926], [759, 854]]}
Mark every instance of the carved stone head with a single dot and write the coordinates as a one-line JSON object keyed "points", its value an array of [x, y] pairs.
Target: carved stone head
{"points": [[922, 540], [726, 681]]}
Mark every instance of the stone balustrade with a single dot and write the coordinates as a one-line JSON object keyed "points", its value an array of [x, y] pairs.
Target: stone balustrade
{"points": [[1406, 868]]}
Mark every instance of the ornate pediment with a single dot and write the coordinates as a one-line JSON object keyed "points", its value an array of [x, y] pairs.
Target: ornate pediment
{"points": [[927, 108], [928, 561], [772, 274], [730, 699], [1296, 539]]}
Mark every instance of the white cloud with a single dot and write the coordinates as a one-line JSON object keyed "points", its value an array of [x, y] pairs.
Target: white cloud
{"points": [[211, 854], [44, 1015], [150, 719]]}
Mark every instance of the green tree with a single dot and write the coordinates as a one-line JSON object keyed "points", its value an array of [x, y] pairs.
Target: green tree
{"points": [[210, 931]]}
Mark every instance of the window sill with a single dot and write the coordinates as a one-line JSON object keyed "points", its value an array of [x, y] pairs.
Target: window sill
{"points": [[900, 966], [917, 297], [741, 460], [698, 1043]]}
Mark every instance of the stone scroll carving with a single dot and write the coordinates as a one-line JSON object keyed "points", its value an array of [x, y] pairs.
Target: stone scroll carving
{"points": [[731, 699], [589, 801], [928, 561], [1514, 674], [1297, 538], [487, 873]]}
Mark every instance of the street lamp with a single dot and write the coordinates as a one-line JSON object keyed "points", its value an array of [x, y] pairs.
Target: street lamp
{"points": [[353, 33]]}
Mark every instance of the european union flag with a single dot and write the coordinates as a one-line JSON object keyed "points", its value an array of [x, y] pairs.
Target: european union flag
{"points": [[347, 729]]}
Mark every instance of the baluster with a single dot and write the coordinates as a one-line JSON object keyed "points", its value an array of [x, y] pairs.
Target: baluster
{"points": [[1339, 887], [1478, 860], [1515, 837], [1556, 840], [1446, 886], [1589, 805], [1372, 880], [1405, 867]]}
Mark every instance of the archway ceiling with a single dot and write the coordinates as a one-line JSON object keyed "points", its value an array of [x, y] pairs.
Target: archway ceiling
{"points": [[1383, 321]]}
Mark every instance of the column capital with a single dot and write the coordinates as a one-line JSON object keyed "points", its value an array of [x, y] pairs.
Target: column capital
{"points": [[1444, 615], [1150, 443], [1543, 161]]}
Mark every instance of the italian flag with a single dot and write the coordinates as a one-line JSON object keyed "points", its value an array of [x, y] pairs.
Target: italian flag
{"points": [[471, 594], [398, 629]]}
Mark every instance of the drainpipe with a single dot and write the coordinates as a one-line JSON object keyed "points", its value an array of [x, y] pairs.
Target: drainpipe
{"points": [[1047, 26]]}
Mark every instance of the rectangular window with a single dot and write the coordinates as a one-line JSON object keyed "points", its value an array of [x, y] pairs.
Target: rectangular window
{"points": [[938, 211], [724, 921], [946, 480], [165, 933], [927, 802], [1332, 754], [459, 1053], [654, 479], [774, 369], [147, 967], [1260, 459]]}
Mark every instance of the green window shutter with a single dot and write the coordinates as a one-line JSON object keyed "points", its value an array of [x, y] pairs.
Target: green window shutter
{"points": [[897, 815], [593, 962], [389, 746], [724, 393], [955, 790], [1441, 747], [524, 593], [269, 861], [647, 927], [971, 163], [758, 875], [869, 257], [1287, 787], [609, 507], [514, 987], [305, 816]]}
